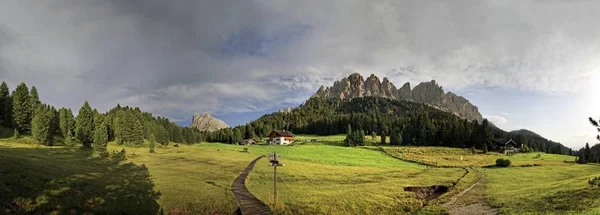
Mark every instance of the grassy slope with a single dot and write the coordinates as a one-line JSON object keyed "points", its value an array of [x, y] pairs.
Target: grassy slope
{"points": [[556, 187], [197, 178], [452, 156], [544, 190], [317, 178], [339, 180]]}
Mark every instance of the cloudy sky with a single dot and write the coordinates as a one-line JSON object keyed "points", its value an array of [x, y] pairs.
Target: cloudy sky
{"points": [[525, 64]]}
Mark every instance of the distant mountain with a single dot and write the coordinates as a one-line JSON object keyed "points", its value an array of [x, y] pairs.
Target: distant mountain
{"points": [[206, 122], [355, 86], [526, 132]]}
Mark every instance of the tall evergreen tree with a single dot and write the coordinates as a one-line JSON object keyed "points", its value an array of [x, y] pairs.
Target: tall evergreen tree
{"points": [[41, 125], [34, 98], [63, 121], [71, 121], [100, 140], [138, 133], [383, 138], [5, 106], [237, 135], [151, 143], [21, 108], [85, 125], [588, 153]]}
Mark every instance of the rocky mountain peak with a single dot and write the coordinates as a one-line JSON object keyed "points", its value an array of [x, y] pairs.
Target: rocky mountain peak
{"points": [[431, 93], [206, 122]]}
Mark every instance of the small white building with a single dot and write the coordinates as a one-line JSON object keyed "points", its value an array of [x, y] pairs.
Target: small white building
{"points": [[278, 137]]}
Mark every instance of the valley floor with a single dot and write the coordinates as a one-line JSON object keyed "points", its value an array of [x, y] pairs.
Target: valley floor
{"points": [[318, 178]]}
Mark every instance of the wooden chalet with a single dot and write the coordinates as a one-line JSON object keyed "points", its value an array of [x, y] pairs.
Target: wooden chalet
{"points": [[248, 142], [280, 137], [507, 147]]}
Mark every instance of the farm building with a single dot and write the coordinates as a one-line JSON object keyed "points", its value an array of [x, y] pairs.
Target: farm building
{"points": [[248, 142], [280, 137], [507, 147]]}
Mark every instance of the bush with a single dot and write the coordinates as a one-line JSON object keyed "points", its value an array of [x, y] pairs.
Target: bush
{"points": [[503, 162], [119, 156], [594, 182]]}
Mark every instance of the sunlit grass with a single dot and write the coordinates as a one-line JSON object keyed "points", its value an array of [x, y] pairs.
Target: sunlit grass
{"points": [[444, 156]]}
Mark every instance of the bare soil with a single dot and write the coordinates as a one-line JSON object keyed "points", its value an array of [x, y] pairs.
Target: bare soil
{"points": [[428, 193]]}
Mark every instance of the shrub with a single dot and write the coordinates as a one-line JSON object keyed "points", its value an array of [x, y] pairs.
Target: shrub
{"points": [[119, 156], [594, 181], [503, 162]]}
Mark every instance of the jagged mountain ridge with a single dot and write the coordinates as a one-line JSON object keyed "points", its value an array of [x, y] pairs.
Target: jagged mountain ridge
{"points": [[430, 93], [207, 122]]}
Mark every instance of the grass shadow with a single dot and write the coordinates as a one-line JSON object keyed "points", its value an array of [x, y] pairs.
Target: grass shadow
{"points": [[67, 181]]}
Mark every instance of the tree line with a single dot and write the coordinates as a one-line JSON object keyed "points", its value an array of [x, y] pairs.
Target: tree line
{"points": [[23, 111], [406, 123], [589, 154]]}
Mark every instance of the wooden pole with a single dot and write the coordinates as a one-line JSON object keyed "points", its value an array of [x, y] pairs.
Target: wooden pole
{"points": [[275, 186]]}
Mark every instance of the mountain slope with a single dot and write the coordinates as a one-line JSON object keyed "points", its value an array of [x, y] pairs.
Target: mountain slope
{"points": [[355, 86], [418, 124], [206, 122], [525, 132]]}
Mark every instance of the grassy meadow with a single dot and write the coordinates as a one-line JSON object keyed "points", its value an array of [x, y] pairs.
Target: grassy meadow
{"points": [[444, 156], [318, 178]]}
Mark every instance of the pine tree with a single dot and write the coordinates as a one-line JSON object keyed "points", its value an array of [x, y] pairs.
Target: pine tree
{"points": [[383, 137], [138, 133], [588, 153], [63, 121], [151, 143], [485, 148], [21, 108], [71, 121], [101, 140], [41, 125], [34, 98], [5, 106], [84, 128], [98, 118], [360, 138], [69, 138], [373, 135]]}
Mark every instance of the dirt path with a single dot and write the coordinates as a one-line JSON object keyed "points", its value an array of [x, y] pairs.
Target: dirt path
{"points": [[472, 209], [248, 204], [455, 197]]}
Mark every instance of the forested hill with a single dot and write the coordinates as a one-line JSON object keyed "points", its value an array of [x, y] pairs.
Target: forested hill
{"points": [[418, 124], [25, 113]]}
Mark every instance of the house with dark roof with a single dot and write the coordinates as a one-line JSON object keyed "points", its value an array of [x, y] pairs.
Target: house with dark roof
{"points": [[280, 137], [248, 142], [507, 147]]}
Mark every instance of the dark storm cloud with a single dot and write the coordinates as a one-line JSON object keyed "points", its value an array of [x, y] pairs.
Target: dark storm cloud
{"points": [[178, 57]]}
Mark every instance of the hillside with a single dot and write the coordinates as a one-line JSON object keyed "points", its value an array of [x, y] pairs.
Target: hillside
{"points": [[355, 86], [526, 132], [416, 123]]}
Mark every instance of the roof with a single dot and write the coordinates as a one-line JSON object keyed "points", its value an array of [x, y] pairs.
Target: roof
{"points": [[283, 133], [504, 142]]}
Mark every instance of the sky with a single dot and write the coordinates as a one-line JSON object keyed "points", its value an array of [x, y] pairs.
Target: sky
{"points": [[525, 64]]}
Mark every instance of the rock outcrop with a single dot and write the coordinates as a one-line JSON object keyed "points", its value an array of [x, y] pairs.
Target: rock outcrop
{"points": [[430, 93], [206, 122]]}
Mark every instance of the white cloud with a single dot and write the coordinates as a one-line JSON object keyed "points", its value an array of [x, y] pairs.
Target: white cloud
{"points": [[232, 56], [497, 120]]}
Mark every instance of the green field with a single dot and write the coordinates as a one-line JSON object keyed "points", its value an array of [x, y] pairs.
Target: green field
{"points": [[318, 178], [443, 156]]}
